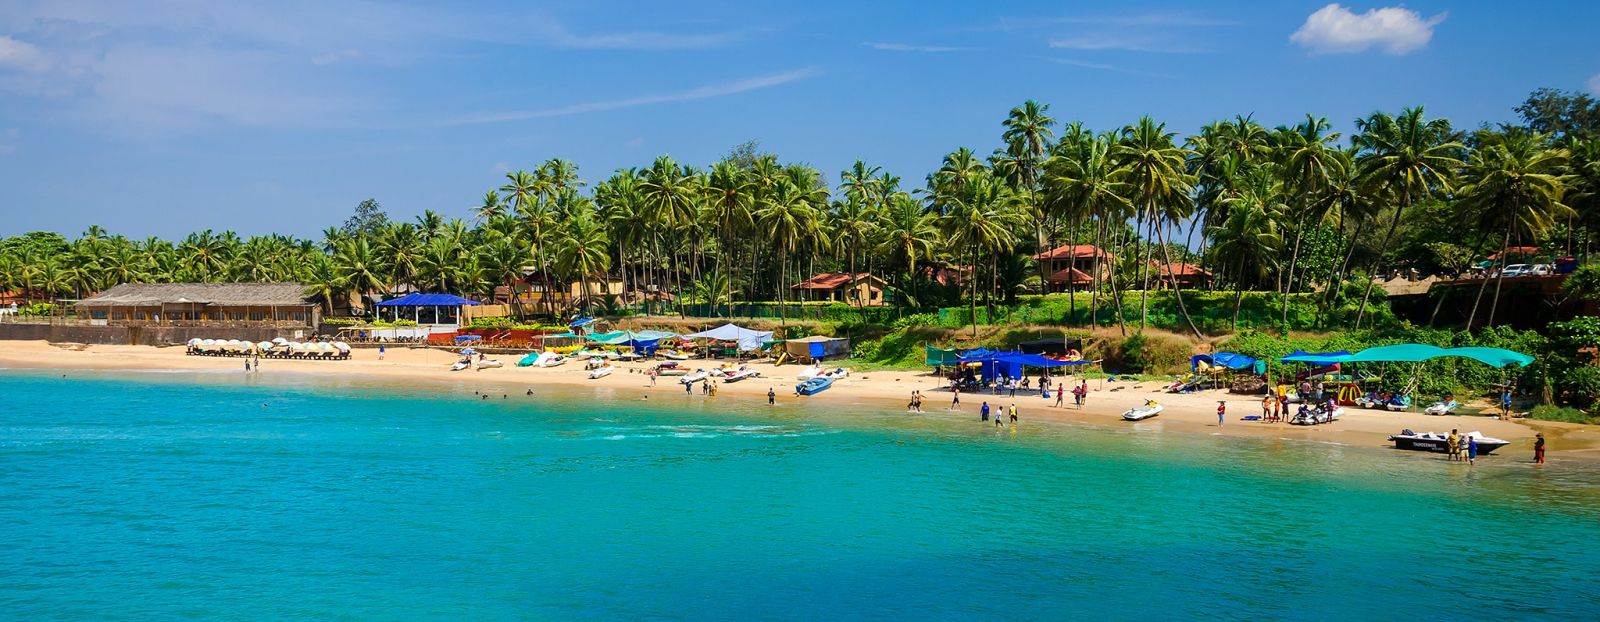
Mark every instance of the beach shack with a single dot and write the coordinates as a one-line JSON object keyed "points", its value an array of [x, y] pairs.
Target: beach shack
{"points": [[179, 304], [817, 348], [745, 339], [437, 309]]}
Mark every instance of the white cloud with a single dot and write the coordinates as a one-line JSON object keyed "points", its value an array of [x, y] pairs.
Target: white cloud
{"points": [[1334, 29], [1594, 84], [907, 47], [21, 55], [703, 92]]}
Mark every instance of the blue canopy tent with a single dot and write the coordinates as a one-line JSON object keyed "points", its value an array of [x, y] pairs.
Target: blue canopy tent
{"points": [[434, 303], [1228, 360], [1010, 364], [644, 341], [1417, 353]]}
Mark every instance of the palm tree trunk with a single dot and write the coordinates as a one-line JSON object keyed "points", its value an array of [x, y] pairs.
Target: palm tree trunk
{"points": [[1380, 263], [1094, 279], [1144, 277], [1336, 281], [1294, 258], [1116, 297], [1238, 294], [1502, 275], [1166, 255]]}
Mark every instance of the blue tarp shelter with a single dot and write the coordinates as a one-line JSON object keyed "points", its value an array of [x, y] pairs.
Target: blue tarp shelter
{"points": [[817, 347], [436, 304], [1010, 364], [1230, 360], [1416, 353], [748, 340], [1316, 358], [580, 322]]}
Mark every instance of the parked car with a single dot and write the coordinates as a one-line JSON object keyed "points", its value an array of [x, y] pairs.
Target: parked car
{"points": [[1542, 269], [1515, 270]]}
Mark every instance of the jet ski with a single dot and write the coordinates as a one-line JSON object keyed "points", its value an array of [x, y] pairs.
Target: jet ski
{"points": [[1139, 413]]}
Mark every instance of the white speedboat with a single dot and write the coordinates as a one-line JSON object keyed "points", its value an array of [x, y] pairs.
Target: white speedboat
{"points": [[1442, 408], [1140, 413], [549, 359], [490, 364], [808, 373], [837, 373], [1435, 442], [601, 372], [697, 376], [461, 364], [739, 374]]}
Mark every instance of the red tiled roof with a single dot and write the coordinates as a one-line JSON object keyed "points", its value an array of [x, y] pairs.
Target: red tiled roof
{"points": [[829, 280], [1073, 251], [1182, 269], [1070, 275]]}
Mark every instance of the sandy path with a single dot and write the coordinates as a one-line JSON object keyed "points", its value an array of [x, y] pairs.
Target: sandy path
{"points": [[1190, 413]]}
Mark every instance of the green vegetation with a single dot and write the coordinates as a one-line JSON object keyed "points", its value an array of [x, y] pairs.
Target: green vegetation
{"points": [[1561, 413]]}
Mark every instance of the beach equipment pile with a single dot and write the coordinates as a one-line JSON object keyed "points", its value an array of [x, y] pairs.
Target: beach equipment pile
{"points": [[278, 348]]}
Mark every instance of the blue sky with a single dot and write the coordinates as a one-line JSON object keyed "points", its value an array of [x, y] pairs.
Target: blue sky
{"points": [[158, 118]]}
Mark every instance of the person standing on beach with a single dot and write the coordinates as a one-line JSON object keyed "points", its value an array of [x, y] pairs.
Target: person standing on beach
{"points": [[1013, 413], [1222, 411], [772, 397], [1061, 395], [1505, 404], [380, 352], [1538, 448], [652, 377], [688, 388], [1453, 443], [1266, 407], [983, 412], [955, 398], [1472, 449]]}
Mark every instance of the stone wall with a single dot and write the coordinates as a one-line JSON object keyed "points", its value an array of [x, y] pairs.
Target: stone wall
{"points": [[142, 335]]}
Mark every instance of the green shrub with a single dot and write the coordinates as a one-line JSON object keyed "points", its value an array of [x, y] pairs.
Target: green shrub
{"points": [[37, 308], [1560, 413], [1580, 385]]}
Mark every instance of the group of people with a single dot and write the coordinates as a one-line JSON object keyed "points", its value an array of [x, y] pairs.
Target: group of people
{"points": [[1464, 447], [999, 417]]}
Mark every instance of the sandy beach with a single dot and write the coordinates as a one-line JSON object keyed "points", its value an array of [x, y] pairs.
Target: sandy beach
{"points": [[1193, 413]]}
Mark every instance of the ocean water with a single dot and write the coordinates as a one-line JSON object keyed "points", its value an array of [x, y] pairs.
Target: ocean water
{"points": [[159, 497]]}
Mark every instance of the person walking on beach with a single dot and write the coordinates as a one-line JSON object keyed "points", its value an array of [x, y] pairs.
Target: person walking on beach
{"points": [[380, 352], [1013, 413], [688, 388], [772, 397], [1061, 395], [1538, 448], [1505, 404], [1222, 411], [955, 398], [983, 412]]}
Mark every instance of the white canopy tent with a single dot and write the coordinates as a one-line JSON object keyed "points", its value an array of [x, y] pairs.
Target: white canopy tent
{"points": [[748, 340]]}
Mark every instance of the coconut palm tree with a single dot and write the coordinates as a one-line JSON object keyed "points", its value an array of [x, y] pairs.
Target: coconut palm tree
{"points": [[907, 232], [983, 219], [491, 206], [786, 218], [1248, 240], [1310, 162], [1086, 184], [582, 252], [1406, 158], [1514, 181], [359, 268], [1159, 187]]}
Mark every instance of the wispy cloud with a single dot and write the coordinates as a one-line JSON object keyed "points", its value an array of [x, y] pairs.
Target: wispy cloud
{"points": [[1334, 29], [703, 92], [1104, 67], [1123, 42], [21, 55], [907, 47], [1130, 19]]}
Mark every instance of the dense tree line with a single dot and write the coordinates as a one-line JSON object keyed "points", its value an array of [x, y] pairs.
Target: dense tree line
{"points": [[1293, 208]]}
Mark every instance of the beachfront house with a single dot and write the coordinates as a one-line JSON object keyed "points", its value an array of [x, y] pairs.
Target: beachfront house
{"points": [[861, 289], [1187, 275], [1072, 267], [202, 304], [436, 309]]}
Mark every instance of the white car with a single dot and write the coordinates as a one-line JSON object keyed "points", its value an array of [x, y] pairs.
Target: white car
{"points": [[1515, 270], [1540, 269]]}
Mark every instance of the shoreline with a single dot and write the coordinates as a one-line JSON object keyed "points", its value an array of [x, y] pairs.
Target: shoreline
{"points": [[1191, 414]]}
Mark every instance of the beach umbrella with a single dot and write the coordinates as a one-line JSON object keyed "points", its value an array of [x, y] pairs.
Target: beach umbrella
{"points": [[264, 346], [342, 346], [279, 340], [468, 351], [325, 346], [194, 342]]}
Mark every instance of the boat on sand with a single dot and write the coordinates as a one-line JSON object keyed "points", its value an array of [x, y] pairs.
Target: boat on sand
{"points": [[814, 386], [1150, 409], [1440, 443]]}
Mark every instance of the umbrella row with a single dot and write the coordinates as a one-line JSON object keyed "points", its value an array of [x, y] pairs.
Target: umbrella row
{"points": [[276, 348]]}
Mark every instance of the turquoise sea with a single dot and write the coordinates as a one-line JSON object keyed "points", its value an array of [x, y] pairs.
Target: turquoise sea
{"points": [[207, 496]]}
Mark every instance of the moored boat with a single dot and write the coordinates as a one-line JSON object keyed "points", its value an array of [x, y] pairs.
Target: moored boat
{"points": [[696, 376], [814, 386], [1435, 442]]}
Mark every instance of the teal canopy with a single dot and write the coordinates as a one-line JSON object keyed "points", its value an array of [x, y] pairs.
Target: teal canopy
{"points": [[1416, 353]]}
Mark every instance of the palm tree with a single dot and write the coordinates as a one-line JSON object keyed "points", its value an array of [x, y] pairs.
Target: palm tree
{"points": [[1515, 181], [729, 204], [786, 218], [1158, 185], [582, 252], [1310, 163], [1248, 239], [982, 219], [1085, 183], [491, 207], [907, 232], [323, 282], [359, 268], [1027, 136], [1406, 158]]}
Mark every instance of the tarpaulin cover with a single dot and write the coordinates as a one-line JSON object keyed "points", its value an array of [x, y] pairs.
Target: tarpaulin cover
{"points": [[1316, 358], [942, 356], [428, 300], [817, 347], [1058, 346], [748, 340], [1416, 353], [1230, 360], [582, 321]]}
